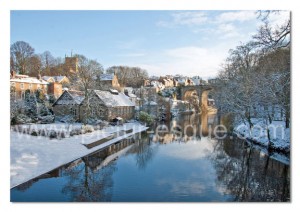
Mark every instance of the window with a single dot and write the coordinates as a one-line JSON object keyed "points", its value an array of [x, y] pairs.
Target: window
{"points": [[23, 95], [101, 112], [12, 84], [30, 86], [92, 112], [22, 85], [73, 111], [38, 86]]}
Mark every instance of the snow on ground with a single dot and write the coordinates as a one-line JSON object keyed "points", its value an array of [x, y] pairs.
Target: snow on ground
{"points": [[32, 156], [280, 136]]}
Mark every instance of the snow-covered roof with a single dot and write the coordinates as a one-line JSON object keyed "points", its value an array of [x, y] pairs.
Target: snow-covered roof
{"points": [[59, 78], [70, 97], [112, 100], [106, 77], [46, 78], [181, 80], [131, 95], [27, 79], [157, 84], [55, 78], [78, 96], [196, 81]]}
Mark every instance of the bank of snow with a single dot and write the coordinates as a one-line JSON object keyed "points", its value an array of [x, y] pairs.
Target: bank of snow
{"points": [[279, 135], [32, 156]]}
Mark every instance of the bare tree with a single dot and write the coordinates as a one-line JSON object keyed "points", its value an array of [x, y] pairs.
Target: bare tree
{"points": [[272, 38], [21, 52], [129, 76], [34, 66], [86, 78], [47, 61]]}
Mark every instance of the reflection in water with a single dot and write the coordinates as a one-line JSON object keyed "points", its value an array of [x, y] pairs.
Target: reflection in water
{"points": [[248, 174], [166, 167]]}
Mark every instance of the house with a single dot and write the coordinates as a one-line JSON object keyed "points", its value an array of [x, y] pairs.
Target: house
{"points": [[55, 84], [20, 83], [182, 81], [69, 104], [109, 81], [57, 79], [212, 81], [166, 81], [196, 80], [55, 89], [107, 105], [104, 105], [157, 85]]}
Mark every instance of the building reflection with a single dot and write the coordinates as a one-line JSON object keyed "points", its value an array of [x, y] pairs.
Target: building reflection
{"points": [[185, 128]]}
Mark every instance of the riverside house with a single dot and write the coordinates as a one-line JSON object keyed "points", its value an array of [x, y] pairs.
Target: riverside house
{"points": [[104, 105]]}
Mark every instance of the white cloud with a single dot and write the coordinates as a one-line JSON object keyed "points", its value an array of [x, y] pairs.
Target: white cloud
{"points": [[277, 19], [227, 30], [240, 16], [189, 18], [190, 61], [187, 187], [192, 150]]}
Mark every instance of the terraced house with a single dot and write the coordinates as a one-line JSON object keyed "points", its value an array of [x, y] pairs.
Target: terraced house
{"points": [[20, 83]]}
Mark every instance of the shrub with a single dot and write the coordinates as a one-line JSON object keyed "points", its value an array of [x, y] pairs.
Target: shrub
{"points": [[145, 118], [87, 128]]}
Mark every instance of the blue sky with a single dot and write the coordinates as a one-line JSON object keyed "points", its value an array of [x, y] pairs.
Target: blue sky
{"points": [[163, 42]]}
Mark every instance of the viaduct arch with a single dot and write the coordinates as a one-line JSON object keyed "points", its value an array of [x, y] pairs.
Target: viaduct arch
{"points": [[201, 91]]}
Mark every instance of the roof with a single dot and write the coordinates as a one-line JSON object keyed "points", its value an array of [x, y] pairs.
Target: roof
{"points": [[55, 78], [46, 78], [196, 81], [131, 95], [113, 100], [27, 79], [76, 97], [59, 78], [104, 77]]}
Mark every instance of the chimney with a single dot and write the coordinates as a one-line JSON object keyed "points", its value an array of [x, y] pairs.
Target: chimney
{"points": [[39, 77], [12, 74], [126, 92]]}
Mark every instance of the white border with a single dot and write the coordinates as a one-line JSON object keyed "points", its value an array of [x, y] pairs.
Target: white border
{"points": [[7, 5]]}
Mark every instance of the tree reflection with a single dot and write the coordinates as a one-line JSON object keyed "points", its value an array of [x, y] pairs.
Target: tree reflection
{"points": [[144, 151], [249, 175], [87, 185]]}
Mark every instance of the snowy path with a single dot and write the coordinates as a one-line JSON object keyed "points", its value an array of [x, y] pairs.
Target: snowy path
{"points": [[32, 156]]}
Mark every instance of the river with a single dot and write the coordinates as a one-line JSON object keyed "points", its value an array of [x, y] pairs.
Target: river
{"points": [[183, 165]]}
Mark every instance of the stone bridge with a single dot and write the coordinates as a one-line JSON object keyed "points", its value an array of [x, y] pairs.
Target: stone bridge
{"points": [[200, 90]]}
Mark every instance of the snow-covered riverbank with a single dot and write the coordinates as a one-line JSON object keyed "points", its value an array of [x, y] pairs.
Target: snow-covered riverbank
{"points": [[32, 156], [279, 135]]}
